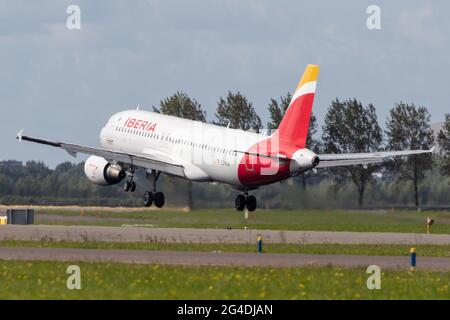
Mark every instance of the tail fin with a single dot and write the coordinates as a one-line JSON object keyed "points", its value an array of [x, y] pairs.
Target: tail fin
{"points": [[294, 126]]}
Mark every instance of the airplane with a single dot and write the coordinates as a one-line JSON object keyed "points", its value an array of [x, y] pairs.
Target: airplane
{"points": [[135, 140]]}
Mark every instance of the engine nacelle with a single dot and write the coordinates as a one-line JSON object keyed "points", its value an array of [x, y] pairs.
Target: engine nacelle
{"points": [[101, 172], [303, 160]]}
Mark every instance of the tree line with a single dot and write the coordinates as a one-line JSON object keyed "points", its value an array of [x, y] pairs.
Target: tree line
{"points": [[349, 127]]}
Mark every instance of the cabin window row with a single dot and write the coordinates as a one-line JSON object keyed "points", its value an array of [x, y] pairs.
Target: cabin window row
{"points": [[174, 140]]}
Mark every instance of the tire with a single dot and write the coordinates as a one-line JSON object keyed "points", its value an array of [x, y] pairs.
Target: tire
{"points": [[251, 203], [159, 199], [148, 199], [239, 202], [126, 186], [133, 186]]}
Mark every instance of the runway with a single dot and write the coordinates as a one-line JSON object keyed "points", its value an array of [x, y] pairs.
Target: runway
{"points": [[218, 259], [191, 235]]}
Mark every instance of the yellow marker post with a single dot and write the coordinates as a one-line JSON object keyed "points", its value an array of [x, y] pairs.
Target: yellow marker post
{"points": [[412, 253], [259, 244]]}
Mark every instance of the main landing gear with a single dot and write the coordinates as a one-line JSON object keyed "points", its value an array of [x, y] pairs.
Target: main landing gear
{"points": [[149, 197], [154, 197], [244, 200]]}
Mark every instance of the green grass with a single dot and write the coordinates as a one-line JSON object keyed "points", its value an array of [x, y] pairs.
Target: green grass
{"points": [[320, 220], [47, 280], [352, 249]]}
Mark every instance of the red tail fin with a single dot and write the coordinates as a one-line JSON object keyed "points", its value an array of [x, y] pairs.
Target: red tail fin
{"points": [[294, 126]]}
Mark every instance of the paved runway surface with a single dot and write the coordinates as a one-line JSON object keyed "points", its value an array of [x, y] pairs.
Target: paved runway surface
{"points": [[219, 259], [189, 235]]}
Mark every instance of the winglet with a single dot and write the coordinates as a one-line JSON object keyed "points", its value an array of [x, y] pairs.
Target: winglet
{"points": [[19, 135], [432, 149]]}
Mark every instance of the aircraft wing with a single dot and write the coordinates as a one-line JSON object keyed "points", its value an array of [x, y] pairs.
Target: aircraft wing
{"points": [[348, 159], [148, 161]]}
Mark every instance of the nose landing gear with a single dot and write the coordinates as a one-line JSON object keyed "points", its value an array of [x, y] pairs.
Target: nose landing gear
{"points": [[244, 200], [154, 197], [130, 185]]}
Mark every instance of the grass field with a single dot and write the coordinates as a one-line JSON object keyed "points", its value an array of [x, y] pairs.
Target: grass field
{"points": [[320, 220], [47, 280], [353, 249]]}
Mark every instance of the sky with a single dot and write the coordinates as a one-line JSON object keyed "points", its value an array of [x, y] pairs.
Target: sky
{"points": [[63, 84]]}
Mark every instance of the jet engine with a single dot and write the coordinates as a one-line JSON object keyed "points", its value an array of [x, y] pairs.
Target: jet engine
{"points": [[303, 160], [101, 172]]}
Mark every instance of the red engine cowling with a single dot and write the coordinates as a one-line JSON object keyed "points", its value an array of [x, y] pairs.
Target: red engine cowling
{"points": [[101, 172]]}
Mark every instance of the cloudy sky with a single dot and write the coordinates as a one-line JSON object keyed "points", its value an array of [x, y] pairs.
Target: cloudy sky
{"points": [[63, 84]]}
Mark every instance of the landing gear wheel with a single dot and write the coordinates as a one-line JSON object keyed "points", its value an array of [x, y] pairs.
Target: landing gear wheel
{"points": [[126, 186], [159, 199], [154, 197], [239, 202], [148, 199], [251, 203], [133, 186]]}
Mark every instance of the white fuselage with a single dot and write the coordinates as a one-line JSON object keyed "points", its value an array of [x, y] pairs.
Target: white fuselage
{"points": [[208, 152]]}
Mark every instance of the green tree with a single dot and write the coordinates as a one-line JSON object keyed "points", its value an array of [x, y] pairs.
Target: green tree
{"points": [[408, 127], [36, 169], [277, 110], [235, 110], [351, 127], [444, 144], [183, 106]]}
